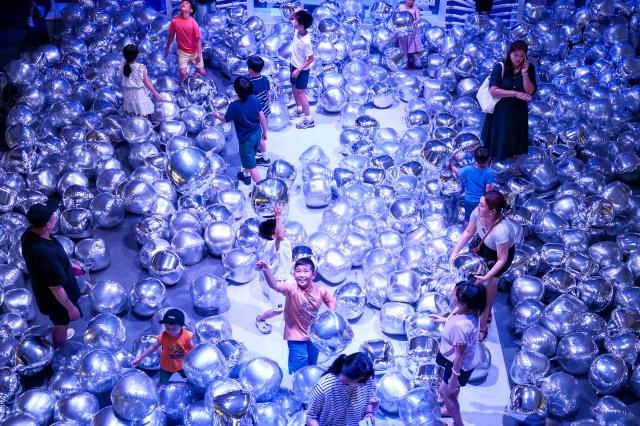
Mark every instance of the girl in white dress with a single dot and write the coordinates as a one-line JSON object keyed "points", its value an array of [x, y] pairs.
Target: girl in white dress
{"points": [[134, 80]]}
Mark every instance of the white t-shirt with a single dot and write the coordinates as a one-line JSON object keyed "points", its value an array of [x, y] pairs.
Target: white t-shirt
{"points": [[502, 233], [301, 49], [461, 330], [279, 260]]}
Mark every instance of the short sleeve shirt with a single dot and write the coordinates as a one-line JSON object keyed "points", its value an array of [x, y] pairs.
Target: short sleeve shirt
{"points": [[461, 330], [136, 78], [301, 49], [174, 349], [476, 181], [502, 233], [333, 403], [301, 307], [261, 89], [48, 266], [245, 116], [187, 33]]}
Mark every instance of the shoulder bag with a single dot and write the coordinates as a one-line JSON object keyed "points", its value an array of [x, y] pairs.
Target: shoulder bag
{"points": [[485, 99]]}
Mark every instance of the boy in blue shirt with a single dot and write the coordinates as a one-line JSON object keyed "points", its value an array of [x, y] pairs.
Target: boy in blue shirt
{"points": [[478, 178], [251, 127], [261, 88]]}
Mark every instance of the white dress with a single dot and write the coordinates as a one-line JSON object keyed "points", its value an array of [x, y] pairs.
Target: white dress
{"points": [[136, 95]]}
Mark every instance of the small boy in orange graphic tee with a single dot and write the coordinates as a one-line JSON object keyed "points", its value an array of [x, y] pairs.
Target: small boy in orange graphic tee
{"points": [[176, 342]]}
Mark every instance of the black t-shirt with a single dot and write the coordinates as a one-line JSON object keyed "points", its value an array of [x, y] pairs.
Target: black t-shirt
{"points": [[48, 266]]}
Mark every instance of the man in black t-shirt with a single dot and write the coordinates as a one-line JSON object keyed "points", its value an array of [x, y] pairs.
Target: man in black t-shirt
{"points": [[50, 271]]}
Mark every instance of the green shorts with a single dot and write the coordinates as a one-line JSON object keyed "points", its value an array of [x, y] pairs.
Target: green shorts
{"points": [[249, 149]]}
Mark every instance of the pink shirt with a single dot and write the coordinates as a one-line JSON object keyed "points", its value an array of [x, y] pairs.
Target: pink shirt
{"points": [[301, 308], [187, 33]]}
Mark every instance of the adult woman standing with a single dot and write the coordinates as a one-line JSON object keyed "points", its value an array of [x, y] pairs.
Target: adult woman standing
{"points": [[496, 246], [459, 353], [506, 132], [343, 395]]}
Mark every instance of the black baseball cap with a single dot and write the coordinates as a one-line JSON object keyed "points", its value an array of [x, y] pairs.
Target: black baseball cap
{"points": [[173, 316], [39, 214]]}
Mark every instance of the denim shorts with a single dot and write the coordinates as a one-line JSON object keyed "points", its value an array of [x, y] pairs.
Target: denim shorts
{"points": [[301, 354], [303, 78], [248, 150]]}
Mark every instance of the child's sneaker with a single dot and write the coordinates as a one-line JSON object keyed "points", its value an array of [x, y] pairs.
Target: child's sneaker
{"points": [[305, 124], [296, 113], [262, 162], [244, 178]]}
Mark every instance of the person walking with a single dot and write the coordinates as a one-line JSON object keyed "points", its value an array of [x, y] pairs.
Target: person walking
{"points": [[136, 99]]}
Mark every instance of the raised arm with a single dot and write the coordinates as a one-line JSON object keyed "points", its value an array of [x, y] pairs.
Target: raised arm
{"points": [[280, 231], [278, 286]]}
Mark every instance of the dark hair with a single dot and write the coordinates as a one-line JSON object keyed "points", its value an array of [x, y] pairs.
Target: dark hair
{"points": [[304, 18], [130, 53], [255, 63], [472, 295], [305, 261], [357, 366], [516, 45], [481, 155], [495, 201], [193, 7], [243, 87], [267, 229]]}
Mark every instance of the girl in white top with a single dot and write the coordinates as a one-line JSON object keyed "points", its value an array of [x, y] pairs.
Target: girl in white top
{"points": [[459, 352], [134, 81]]}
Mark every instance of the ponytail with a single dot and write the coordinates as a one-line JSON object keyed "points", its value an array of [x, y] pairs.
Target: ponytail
{"points": [[357, 366], [127, 69], [130, 53]]}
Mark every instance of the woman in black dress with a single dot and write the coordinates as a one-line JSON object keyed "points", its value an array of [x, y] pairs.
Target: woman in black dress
{"points": [[506, 132]]}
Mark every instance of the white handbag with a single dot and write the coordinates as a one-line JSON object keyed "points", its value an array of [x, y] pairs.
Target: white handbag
{"points": [[486, 101]]}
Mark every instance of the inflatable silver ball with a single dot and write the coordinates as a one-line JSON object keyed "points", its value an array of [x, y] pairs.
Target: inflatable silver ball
{"points": [[20, 419], [11, 276], [196, 414], [105, 331], [317, 192], [405, 214], [174, 398], [93, 252], [166, 266], [147, 296], [98, 371], [528, 367], [233, 351], [10, 384], [392, 386], [107, 210], [68, 355], [484, 365], [610, 410], [380, 352], [330, 332], [31, 355], [234, 407], [287, 401], [527, 400], [141, 344], [149, 228], [608, 374], [267, 194], [209, 295], [239, 266], [279, 117], [64, 382], [538, 339], [151, 246], [80, 407], [304, 380], [419, 406], [421, 324], [189, 169], [262, 378], [76, 223], [204, 364], [333, 100], [219, 387], [108, 297], [213, 329], [136, 130], [562, 393], [334, 266], [138, 196], [526, 287], [234, 200], [220, 237], [350, 300], [20, 301], [404, 286], [248, 238], [282, 170], [37, 403], [190, 246], [270, 414]]}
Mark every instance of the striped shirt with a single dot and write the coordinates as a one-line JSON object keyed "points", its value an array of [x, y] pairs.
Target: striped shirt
{"points": [[333, 403], [261, 89]]}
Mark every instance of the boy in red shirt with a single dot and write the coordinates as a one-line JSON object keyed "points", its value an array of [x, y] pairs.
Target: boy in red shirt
{"points": [[176, 342], [187, 34]]}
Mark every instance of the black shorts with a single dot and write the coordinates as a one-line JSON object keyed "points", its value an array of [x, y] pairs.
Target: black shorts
{"points": [[61, 317], [303, 78], [491, 257], [464, 376]]}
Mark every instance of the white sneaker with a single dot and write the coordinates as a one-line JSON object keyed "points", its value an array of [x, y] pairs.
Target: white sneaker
{"points": [[295, 114], [305, 124]]}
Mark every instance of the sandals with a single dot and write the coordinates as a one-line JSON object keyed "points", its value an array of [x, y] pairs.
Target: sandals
{"points": [[483, 335], [490, 317], [263, 327], [444, 412]]}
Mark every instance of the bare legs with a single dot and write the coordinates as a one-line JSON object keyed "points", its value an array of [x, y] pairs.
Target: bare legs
{"points": [[267, 315], [183, 73], [451, 403], [59, 335], [300, 97], [492, 291], [255, 174]]}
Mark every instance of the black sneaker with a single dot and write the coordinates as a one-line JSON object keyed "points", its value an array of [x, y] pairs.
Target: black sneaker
{"points": [[305, 124], [262, 162], [244, 178]]}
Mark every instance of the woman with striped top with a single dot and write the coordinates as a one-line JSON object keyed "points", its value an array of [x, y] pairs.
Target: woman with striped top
{"points": [[343, 395]]}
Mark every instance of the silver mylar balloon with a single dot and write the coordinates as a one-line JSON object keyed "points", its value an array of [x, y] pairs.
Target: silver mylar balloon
{"points": [[270, 414], [419, 406], [189, 169], [527, 400], [174, 398], [134, 396], [220, 237], [376, 288], [239, 266], [330, 333], [624, 344], [68, 355], [151, 246], [393, 316], [109, 180], [282, 170], [562, 316], [304, 380], [76, 223], [421, 324], [141, 344], [390, 388], [279, 117], [526, 287], [108, 297], [166, 266], [138, 196], [38, 403], [204, 364], [380, 352], [64, 382], [468, 264], [575, 352], [404, 286], [98, 371], [333, 266], [190, 246], [10, 385], [233, 351], [94, 253], [538, 339], [214, 329], [233, 407], [31, 355], [196, 415], [79, 407], [608, 374], [610, 410], [262, 378], [234, 200], [20, 301], [267, 193], [528, 367], [405, 214], [209, 295], [147, 296], [595, 292], [108, 210], [350, 300], [317, 192], [136, 129], [422, 349], [105, 331]]}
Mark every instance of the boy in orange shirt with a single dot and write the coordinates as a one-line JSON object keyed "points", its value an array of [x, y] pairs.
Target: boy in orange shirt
{"points": [[187, 34], [302, 302], [176, 342]]}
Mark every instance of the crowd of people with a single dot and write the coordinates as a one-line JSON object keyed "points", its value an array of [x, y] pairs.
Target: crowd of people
{"points": [[344, 395]]}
